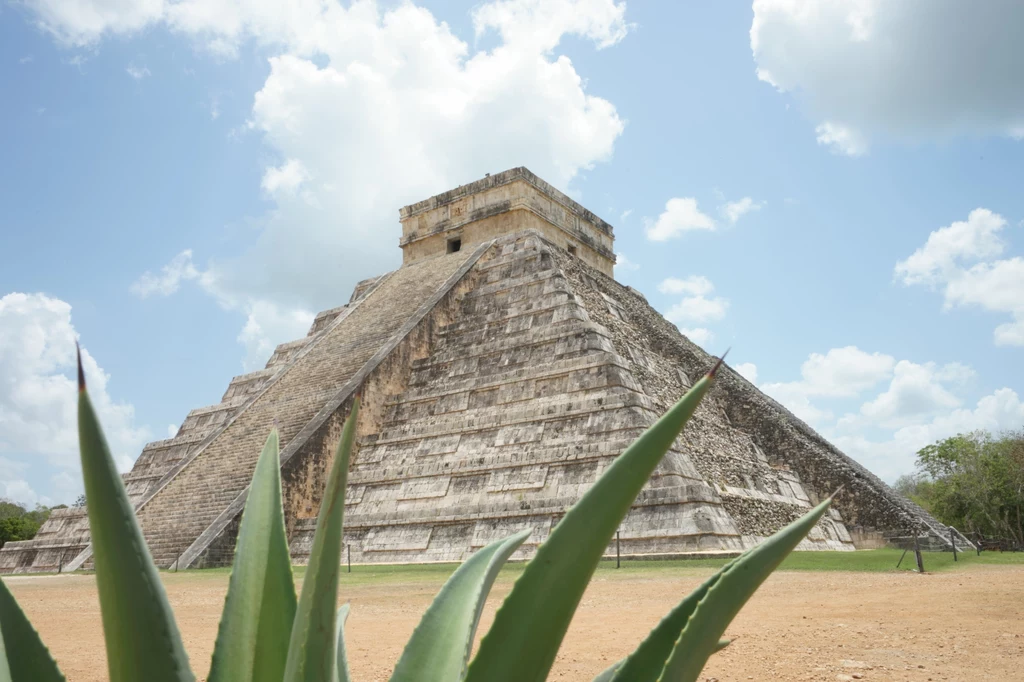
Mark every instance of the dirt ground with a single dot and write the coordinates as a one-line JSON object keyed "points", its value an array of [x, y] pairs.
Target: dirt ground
{"points": [[957, 625]]}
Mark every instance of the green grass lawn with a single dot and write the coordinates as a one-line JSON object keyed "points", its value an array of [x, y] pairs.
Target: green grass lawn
{"points": [[874, 560], [886, 560]]}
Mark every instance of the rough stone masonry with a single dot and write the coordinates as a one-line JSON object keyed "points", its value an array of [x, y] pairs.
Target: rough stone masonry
{"points": [[502, 368]]}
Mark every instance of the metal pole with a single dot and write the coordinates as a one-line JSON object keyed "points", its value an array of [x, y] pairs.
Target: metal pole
{"points": [[901, 558], [952, 541], [618, 555], [348, 548], [60, 563], [176, 564], [917, 553]]}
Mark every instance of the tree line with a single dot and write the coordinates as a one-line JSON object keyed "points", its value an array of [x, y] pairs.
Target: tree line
{"points": [[974, 482], [17, 522]]}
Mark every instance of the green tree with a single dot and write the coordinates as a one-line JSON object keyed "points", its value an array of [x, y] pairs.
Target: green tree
{"points": [[974, 481], [917, 488], [18, 523], [13, 528], [9, 508]]}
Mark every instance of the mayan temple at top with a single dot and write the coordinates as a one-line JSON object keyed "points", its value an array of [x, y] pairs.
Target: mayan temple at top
{"points": [[501, 369]]}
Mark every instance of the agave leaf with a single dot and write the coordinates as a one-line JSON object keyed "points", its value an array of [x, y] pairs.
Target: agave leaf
{"points": [[311, 650], [252, 642], [724, 599], [142, 638], [31, 661], [342, 673], [529, 627], [5, 670], [648, 660], [441, 643], [609, 674]]}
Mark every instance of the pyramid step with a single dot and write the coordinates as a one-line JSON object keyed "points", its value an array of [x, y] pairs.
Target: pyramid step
{"points": [[218, 473]]}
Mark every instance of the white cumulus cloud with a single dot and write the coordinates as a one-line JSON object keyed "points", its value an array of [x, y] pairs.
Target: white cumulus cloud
{"points": [[681, 215], [895, 453], [367, 108], [916, 392], [841, 139], [697, 307], [285, 179], [540, 24], [910, 69], [841, 372], [962, 260], [624, 264], [137, 72], [168, 280], [747, 370], [267, 325], [19, 490], [699, 335], [734, 210], [38, 389], [918, 404], [947, 248], [694, 285]]}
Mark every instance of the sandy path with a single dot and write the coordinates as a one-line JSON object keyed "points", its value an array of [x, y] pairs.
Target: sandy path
{"points": [[961, 625]]}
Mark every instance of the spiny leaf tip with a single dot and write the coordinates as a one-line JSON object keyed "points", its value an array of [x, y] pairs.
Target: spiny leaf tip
{"points": [[81, 372], [718, 364]]}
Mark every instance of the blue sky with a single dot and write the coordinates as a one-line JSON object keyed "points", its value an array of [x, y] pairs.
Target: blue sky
{"points": [[829, 188]]}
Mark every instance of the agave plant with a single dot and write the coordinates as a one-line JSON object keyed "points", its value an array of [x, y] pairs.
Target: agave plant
{"points": [[266, 634]]}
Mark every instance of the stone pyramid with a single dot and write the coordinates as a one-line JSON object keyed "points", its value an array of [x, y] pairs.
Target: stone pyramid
{"points": [[501, 369]]}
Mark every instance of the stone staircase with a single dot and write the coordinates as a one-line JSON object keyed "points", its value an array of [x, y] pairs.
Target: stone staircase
{"points": [[315, 370], [515, 411], [174, 492]]}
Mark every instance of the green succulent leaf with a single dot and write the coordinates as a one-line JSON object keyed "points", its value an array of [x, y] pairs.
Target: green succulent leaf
{"points": [[440, 645], [724, 599], [311, 650], [255, 628], [142, 638], [646, 663], [5, 670], [520, 646], [342, 673], [609, 674], [30, 660]]}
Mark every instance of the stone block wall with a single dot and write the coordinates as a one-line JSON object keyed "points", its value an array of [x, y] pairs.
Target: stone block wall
{"points": [[497, 385], [517, 408], [745, 443], [59, 540], [219, 474], [502, 204]]}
